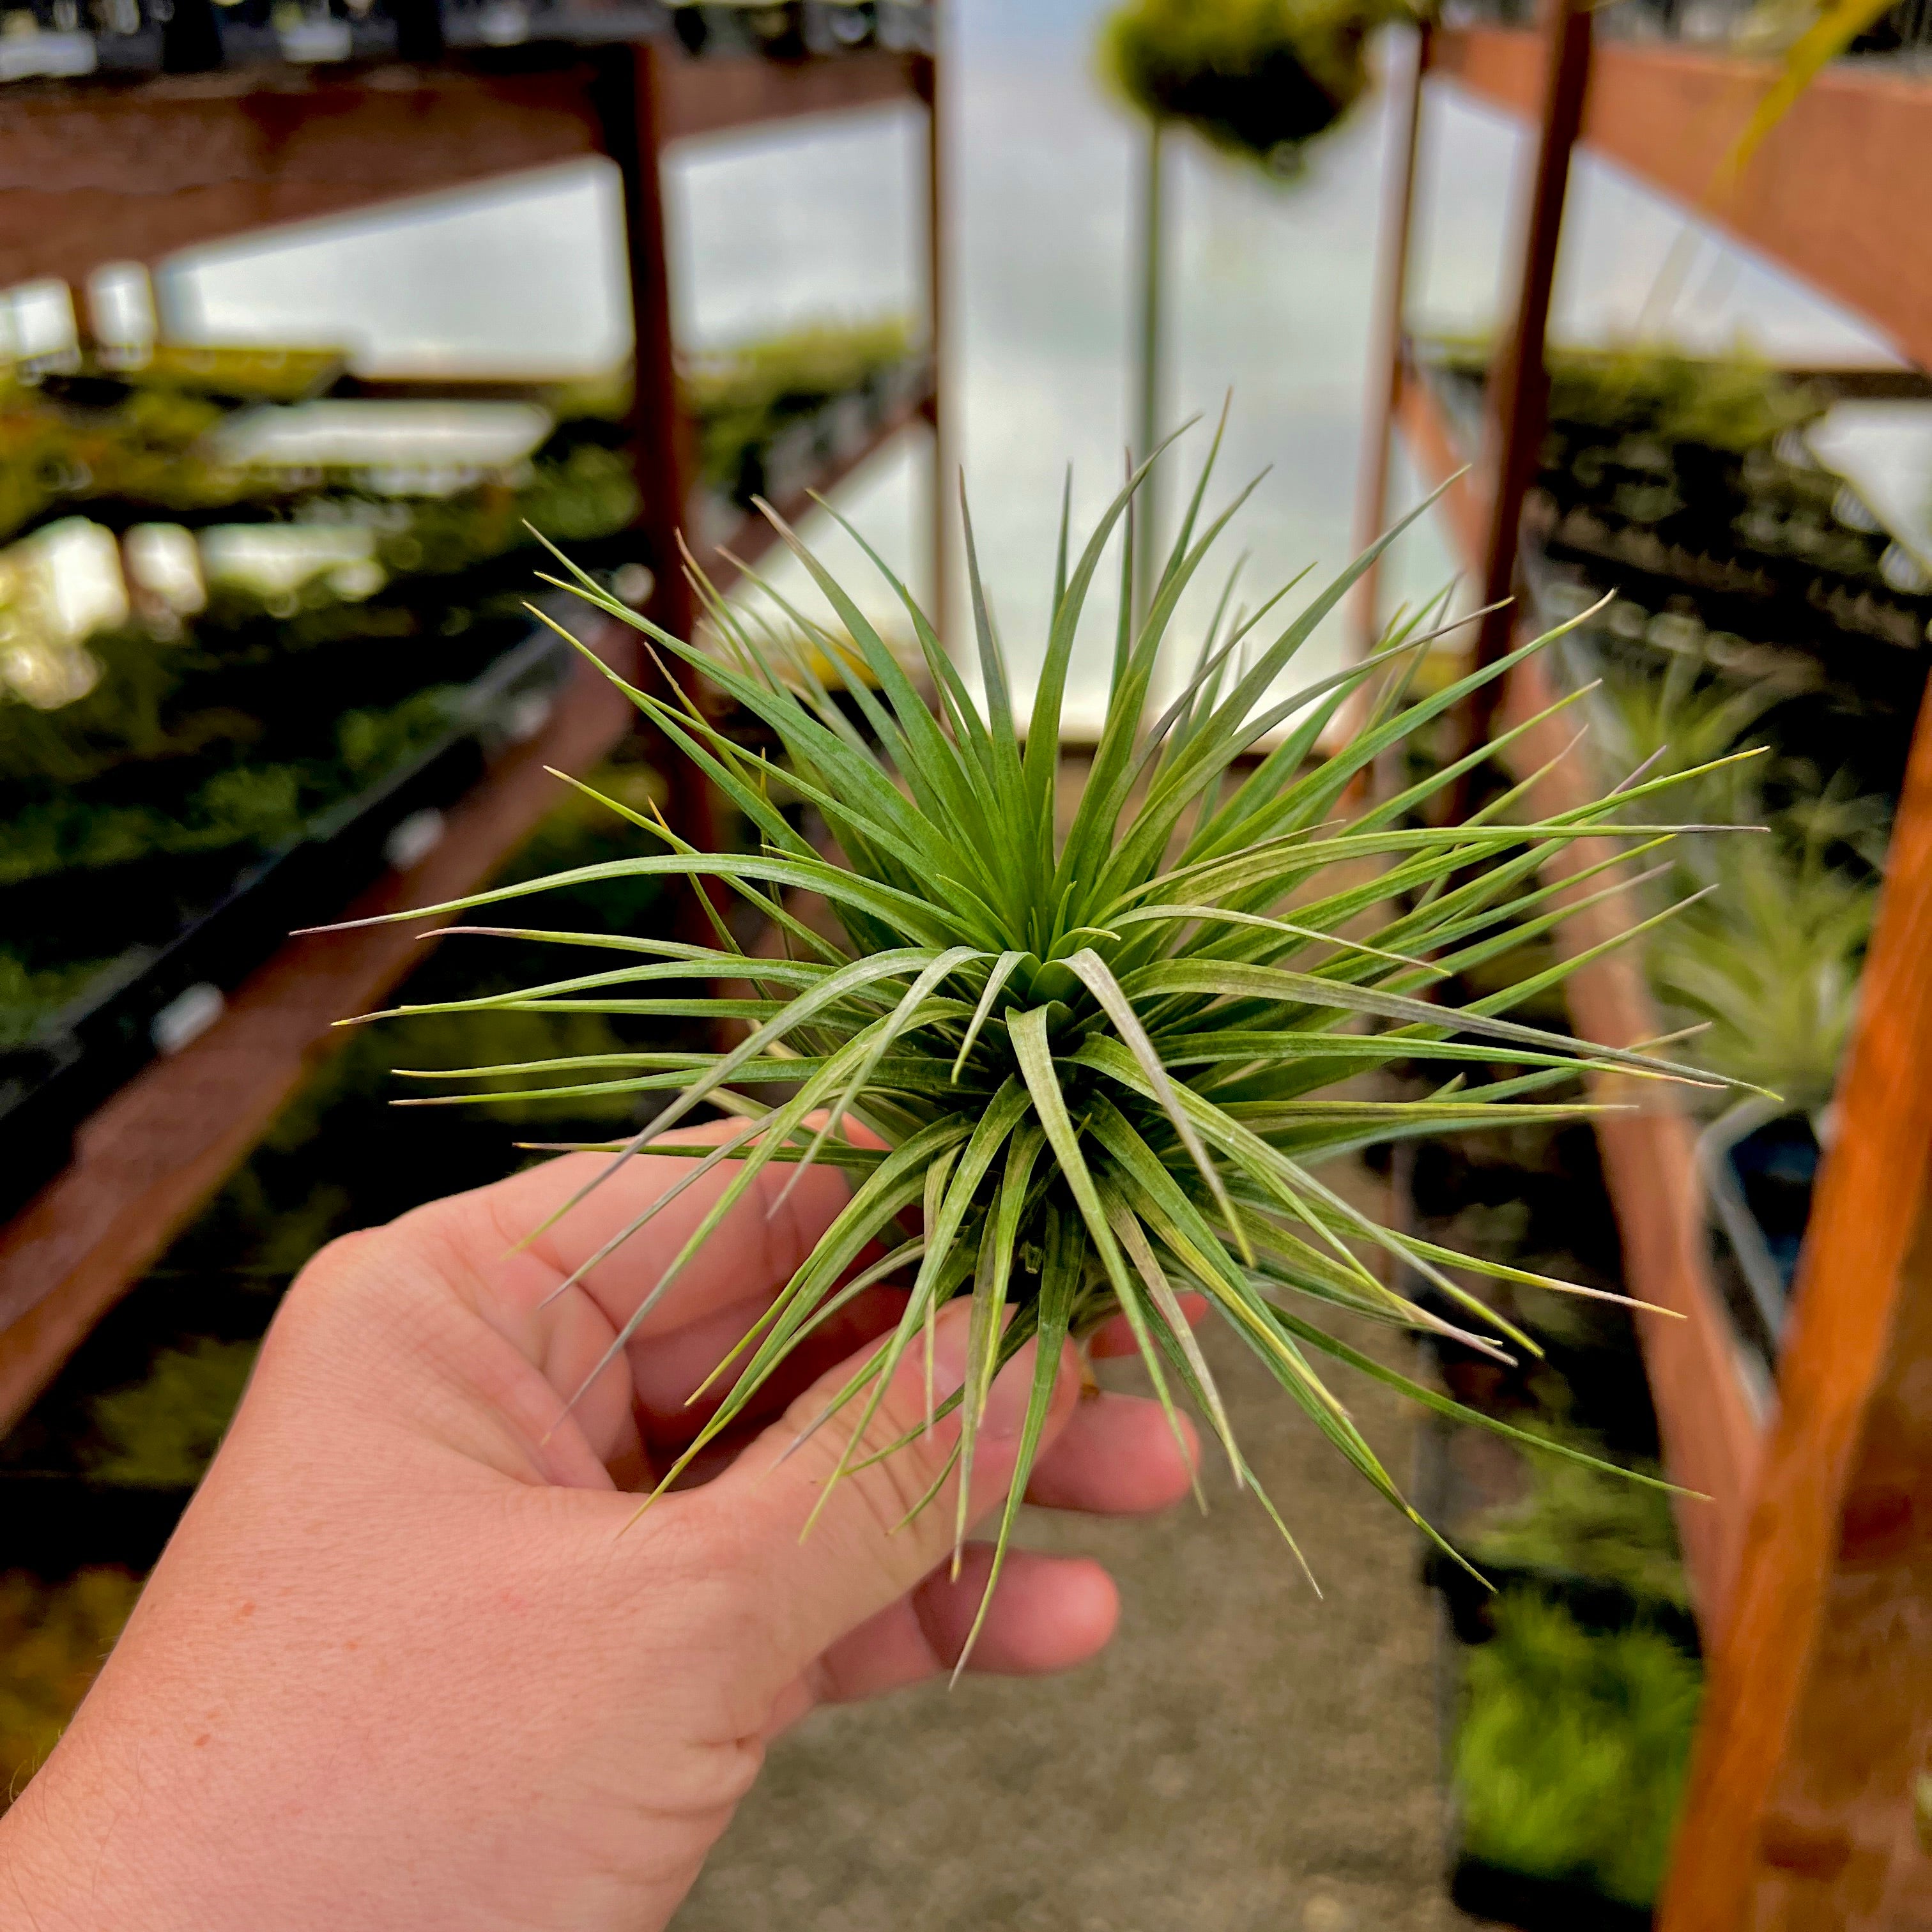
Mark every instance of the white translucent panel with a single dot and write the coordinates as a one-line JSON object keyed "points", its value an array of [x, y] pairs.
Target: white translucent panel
{"points": [[357, 433], [522, 277], [120, 307], [809, 220], [1886, 449]]}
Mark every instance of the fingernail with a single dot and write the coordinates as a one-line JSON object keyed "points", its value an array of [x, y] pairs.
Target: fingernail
{"points": [[950, 1337], [1012, 1387]]}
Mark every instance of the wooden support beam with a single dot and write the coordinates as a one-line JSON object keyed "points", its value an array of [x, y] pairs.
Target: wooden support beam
{"points": [[634, 93], [724, 95], [1837, 194], [1432, 448], [1805, 1809], [90, 175], [134, 172]]}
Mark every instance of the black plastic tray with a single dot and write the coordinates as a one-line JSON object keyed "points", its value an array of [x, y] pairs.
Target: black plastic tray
{"points": [[1529, 1902], [1485, 1891], [196, 36], [147, 1003], [57, 1523]]}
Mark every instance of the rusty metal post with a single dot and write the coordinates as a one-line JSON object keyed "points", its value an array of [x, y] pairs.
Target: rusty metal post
{"points": [[1387, 348], [1519, 390], [926, 83], [632, 104]]}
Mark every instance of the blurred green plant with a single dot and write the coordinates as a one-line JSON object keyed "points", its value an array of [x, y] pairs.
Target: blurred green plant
{"points": [[30, 995], [1771, 960], [162, 1431], [256, 806], [1769, 957], [1734, 403], [1570, 1756], [1258, 79], [54, 1638], [1581, 1520], [745, 396]]}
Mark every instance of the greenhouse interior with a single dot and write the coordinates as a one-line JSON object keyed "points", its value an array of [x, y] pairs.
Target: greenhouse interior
{"points": [[948, 965]]}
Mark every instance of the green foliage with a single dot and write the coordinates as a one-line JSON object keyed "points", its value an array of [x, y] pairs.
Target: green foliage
{"points": [[1771, 958], [255, 806], [1588, 1522], [29, 995], [743, 397], [588, 490], [1570, 1759], [163, 1431], [368, 743], [121, 719], [1733, 403], [53, 1640], [1258, 78], [1098, 1056]]}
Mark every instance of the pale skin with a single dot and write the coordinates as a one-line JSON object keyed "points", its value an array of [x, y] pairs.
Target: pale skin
{"points": [[410, 1664]]}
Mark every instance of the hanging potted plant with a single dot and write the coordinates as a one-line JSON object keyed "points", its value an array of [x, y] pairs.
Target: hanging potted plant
{"points": [[1257, 79]]}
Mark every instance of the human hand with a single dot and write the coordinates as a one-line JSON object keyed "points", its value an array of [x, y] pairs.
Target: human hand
{"points": [[409, 1663]]}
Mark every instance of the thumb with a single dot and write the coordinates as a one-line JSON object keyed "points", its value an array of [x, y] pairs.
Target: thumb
{"points": [[872, 1540]]}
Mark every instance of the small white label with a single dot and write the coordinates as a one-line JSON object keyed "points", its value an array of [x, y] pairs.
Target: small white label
{"points": [[632, 583], [415, 838], [526, 714], [56, 56], [316, 40], [503, 24], [186, 1016]]}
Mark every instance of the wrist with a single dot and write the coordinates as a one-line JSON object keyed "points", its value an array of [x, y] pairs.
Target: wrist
{"points": [[93, 1843], [61, 1873]]}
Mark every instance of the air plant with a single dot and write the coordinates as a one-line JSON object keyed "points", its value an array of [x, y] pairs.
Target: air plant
{"points": [[1767, 960], [1771, 962], [1095, 1064]]}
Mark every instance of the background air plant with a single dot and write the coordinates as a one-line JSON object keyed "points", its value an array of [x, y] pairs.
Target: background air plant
{"points": [[1102, 1062]]}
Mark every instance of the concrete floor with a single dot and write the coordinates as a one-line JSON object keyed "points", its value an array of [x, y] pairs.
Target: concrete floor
{"points": [[1245, 1758]]}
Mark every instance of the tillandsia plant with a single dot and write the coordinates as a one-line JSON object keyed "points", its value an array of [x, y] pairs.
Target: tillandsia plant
{"points": [[1095, 1064]]}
